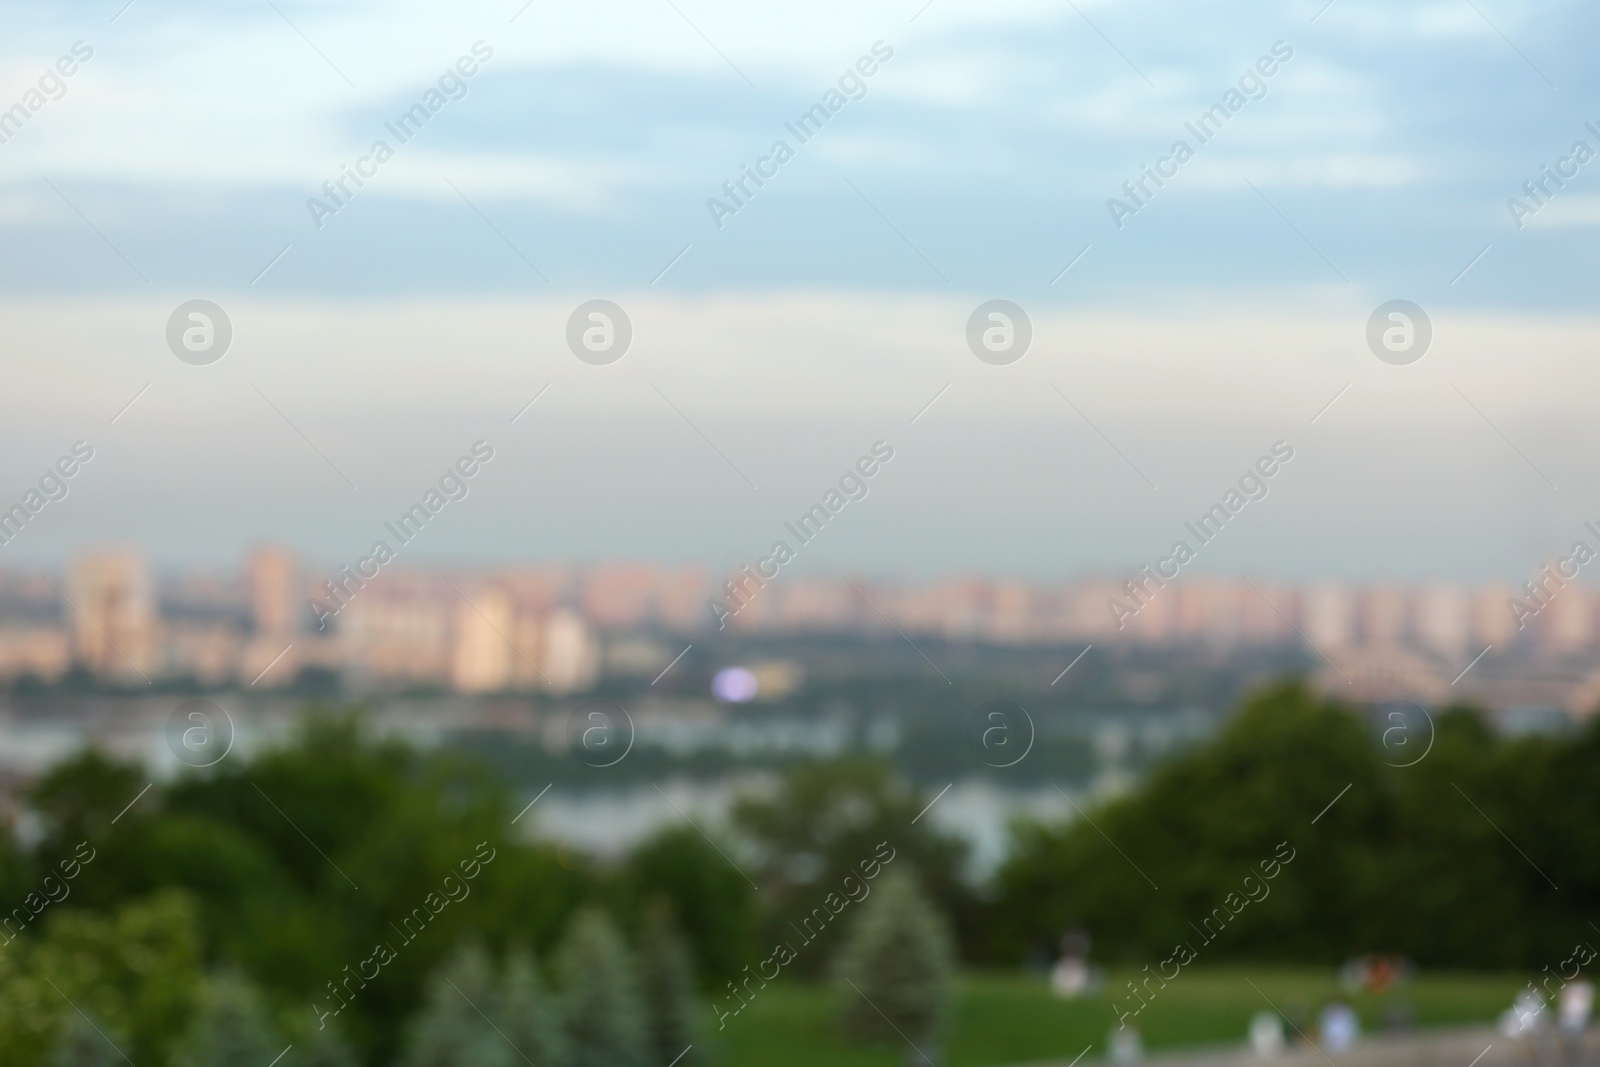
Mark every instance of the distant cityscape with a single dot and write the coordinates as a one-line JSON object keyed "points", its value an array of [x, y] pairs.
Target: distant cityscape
{"points": [[112, 620]]}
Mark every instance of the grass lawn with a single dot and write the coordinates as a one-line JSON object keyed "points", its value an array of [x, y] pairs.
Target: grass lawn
{"points": [[1005, 1018]]}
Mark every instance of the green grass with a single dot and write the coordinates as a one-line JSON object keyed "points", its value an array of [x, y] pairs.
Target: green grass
{"points": [[1006, 1018]]}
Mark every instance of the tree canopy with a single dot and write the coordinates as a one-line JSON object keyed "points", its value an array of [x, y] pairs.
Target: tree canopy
{"points": [[1417, 859]]}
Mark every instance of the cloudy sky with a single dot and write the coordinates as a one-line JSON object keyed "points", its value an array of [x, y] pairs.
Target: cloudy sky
{"points": [[1228, 312]]}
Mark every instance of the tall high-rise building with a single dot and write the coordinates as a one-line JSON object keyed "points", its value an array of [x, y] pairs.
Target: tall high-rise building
{"points": [[1012, 612], [1442, 620], [272, 581], [480, 660], [527, 637], [1493, 622], [816, 604], [398, 631], [272, 655], [1208, 609], [1382, 614], [569, 652], [1567, 625], [114, 620], [1264, 613], [681, 598], [1328, 615], [620, 595]]}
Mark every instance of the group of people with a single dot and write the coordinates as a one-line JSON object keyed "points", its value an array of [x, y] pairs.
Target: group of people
{"points": [[1547, 1033], [1338, 1027]]}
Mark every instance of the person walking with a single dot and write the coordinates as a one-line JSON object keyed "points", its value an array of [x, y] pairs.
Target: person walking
{"points": [[1339, 1026], [1525, 1023], [1573, 1005]]}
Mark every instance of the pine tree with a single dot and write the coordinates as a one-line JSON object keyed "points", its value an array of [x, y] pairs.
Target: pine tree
{"points": [[325, 1048], [86, 1044], [453, 1028], [667, 984], [529, 1017], [895, 970], [600, 1006], [231, 1026]]}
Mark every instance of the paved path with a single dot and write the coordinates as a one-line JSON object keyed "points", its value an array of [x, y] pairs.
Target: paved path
{"points": [[1477, 1046]]}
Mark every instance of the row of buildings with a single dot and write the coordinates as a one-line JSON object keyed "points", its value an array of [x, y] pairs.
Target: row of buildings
{"points": [[1442, 619], [113, 619], [541, 627]]}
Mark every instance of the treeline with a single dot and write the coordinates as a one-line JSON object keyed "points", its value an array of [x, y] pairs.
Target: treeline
{"points": [[134, 987], [1436, 839], [96, 991], [336, 879]]}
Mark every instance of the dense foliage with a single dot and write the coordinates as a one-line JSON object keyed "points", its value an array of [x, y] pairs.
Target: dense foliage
{"points": [[824, 820], [1453, 860], [338, 873], [329, 892]]}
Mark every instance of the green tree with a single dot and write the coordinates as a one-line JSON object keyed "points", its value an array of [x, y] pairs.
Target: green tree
{"points": [[600, 1006], [453, 1028], [84, 1043], [325, 1047], [711, 902], [1455, 878], [134, 972], [897, 966], [271, 852], [825, 819], [1201, 825], [231, 1026], [79, 797], [1559, 816], [667, 984], [529, 1017]]}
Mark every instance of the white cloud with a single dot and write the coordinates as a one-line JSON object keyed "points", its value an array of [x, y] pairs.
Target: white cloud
{"points": [[789, 386], [828, 353], [1566, 212], [1313, 170]]}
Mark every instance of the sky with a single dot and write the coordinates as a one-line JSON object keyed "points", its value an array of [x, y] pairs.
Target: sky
{"points": [[1179, 331]]}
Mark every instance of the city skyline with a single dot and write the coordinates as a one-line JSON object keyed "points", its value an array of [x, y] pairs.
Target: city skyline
{"points": [[555, 628]]}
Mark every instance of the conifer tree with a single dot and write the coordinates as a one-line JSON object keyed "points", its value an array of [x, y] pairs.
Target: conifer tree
{"points": [[529, 1016], [86, 1044], [231, 1026], [895, 970], [452, 1029], [600, 1007], [326, 1047], [667, 983]]}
